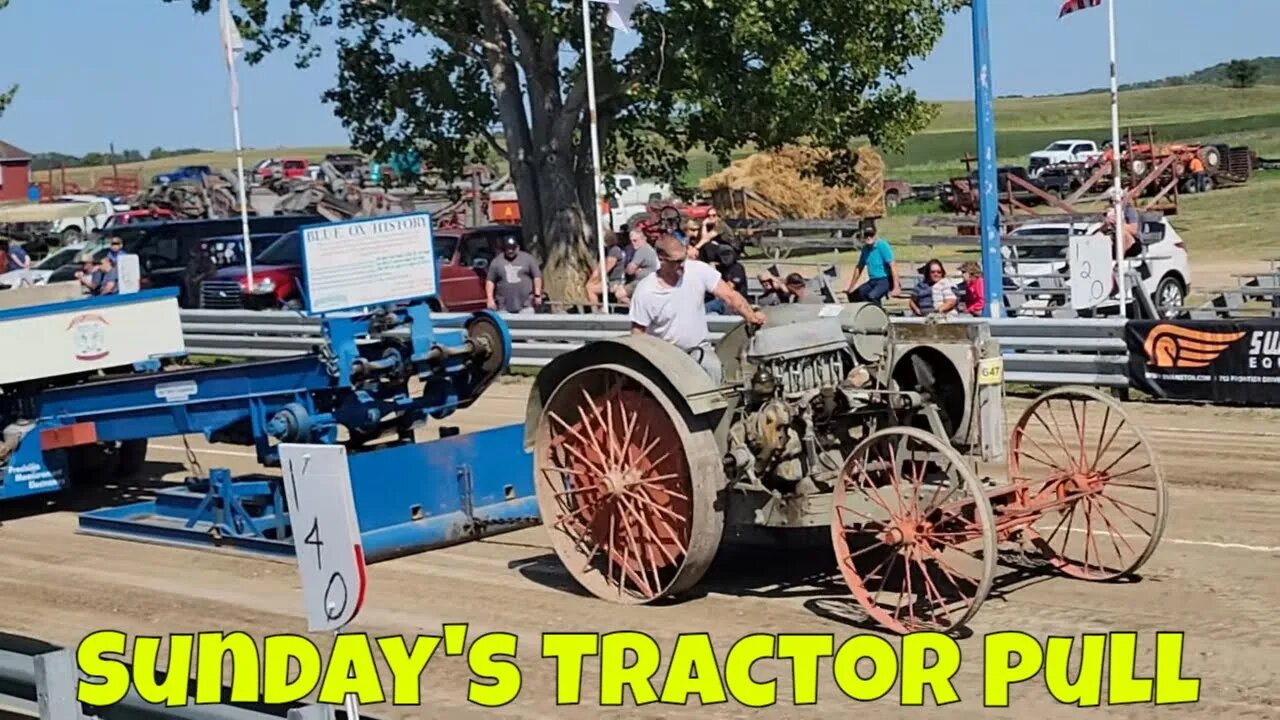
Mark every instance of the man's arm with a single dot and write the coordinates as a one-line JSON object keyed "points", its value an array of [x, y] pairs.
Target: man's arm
{"points": [[488, 292], [895, 286], [735, 302], [637, 328]]}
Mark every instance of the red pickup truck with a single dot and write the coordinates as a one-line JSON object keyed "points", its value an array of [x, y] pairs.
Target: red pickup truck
{"points": [[462, 256]]}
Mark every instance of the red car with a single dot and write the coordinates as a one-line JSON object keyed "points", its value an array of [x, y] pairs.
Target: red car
{"points": [[462, 256], [135, 216]]}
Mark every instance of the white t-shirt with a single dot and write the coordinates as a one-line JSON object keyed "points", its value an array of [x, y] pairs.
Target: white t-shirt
{"points": [[676, 314], [943, 290]]}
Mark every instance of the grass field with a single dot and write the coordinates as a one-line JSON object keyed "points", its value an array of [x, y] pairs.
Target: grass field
{"points": [[1193, 113]]}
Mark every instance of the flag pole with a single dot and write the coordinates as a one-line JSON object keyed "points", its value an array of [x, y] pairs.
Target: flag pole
{"points": [[595, 150], [228, 27], [1117, 186]]}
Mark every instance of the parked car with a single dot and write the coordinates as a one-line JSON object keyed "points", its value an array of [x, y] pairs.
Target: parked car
{"points": [[1165, 267], [167, 250], [40, 271], [136, 216], [462, 257]]}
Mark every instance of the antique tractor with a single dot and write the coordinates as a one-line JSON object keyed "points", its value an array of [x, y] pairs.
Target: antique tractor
{"points": [[832, 417]]}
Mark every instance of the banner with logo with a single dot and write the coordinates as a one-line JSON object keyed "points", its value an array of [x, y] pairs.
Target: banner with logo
{"points": [[1230, 362]]}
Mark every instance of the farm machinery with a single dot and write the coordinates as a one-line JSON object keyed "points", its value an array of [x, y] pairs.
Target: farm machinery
{"points": [[96, 379], [832, 422]]}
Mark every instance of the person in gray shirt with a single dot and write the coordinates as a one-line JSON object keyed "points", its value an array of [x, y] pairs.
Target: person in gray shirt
{"points": [[514, 284], [644, 262]]}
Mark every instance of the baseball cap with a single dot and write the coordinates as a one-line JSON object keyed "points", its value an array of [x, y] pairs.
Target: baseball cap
{"points": [[510, 242]]}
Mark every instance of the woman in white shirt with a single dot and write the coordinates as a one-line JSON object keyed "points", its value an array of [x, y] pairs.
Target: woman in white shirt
{"points": [[944, 290]]}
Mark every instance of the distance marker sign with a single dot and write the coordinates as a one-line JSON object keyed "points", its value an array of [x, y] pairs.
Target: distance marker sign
{"points": [[326, 536]]}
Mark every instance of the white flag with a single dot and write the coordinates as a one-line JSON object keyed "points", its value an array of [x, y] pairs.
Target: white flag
{"points": [[232, 45], [620, 13]]}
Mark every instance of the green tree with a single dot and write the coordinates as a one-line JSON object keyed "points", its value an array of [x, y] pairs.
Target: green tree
{"points": [[1242, 73], [453, 79], [6, 96]]}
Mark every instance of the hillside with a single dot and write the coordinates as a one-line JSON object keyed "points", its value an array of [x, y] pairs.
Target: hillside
{"points": [[1216, 75]]}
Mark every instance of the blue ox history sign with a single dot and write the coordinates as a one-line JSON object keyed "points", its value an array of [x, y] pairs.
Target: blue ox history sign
{"points": [[364, 263]]}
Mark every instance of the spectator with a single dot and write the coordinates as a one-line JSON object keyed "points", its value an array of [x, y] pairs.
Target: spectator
{"points": [[18, 260], [975, 298], [102, 280], [669, 304], [116, 250], [1131, 220], [942, 293], [1197, 172], [615, 267], [514, 284], [732, 272], [644, 262], [773, 291], [921, 300], [800, 292], [876, 258], [710, 237]]}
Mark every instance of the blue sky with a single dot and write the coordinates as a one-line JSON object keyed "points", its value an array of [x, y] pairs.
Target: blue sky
{"points": [[143, 73]]}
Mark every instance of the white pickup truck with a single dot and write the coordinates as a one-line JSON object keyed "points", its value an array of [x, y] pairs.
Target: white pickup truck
{"points": [[1062, 151]]}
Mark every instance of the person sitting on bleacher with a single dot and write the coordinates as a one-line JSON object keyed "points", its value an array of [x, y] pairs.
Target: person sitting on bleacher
{"points": [[800, 292], [940, 291], [975, 298], [921, 299], [772, 292]]}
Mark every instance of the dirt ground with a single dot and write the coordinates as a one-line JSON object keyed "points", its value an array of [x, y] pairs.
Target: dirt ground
{"points": [[1215, 577]]}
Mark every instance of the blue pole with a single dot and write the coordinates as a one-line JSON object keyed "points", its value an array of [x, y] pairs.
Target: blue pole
{"points": [[988, 214]]}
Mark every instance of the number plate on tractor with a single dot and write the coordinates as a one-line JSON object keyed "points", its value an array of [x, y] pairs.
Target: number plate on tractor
{"points": [[991, 371]]}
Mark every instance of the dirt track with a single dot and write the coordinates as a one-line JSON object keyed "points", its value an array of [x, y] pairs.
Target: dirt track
{"points": [[1216, 577]]}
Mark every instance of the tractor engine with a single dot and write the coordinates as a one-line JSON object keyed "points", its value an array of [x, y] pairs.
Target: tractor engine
{"points": [[801, 396]]}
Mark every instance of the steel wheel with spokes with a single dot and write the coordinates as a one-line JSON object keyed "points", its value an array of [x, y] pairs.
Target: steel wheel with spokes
{"points": [[626, 488], [913, 532], [1083, 455]]}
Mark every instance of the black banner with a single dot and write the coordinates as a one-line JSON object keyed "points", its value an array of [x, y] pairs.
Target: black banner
{"points": [[1228, 362]]}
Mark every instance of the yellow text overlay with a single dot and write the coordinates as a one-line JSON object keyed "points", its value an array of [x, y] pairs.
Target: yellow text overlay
{"points": [[630, 667]]}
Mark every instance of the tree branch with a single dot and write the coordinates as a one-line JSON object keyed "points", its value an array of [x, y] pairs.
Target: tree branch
{"points": [[528, 49]]}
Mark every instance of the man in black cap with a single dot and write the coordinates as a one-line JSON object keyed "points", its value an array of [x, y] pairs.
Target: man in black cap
{"points": [[514, 284]]}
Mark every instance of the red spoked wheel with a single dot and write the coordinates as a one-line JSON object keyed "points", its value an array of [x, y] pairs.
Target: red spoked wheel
{"points": [[1097, 477], [913, 532], [626, 488]]}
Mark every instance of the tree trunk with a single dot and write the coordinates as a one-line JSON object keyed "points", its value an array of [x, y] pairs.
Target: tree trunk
{"points": [[568, 258]]}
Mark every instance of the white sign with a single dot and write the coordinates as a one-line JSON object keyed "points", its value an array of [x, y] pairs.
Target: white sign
{"points": [[1089, 263], [368, 262], [128, 274], [95, 334], [326, 537]]}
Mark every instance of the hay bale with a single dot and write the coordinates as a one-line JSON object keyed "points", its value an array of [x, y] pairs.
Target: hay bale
{"points": [[783, 185]]}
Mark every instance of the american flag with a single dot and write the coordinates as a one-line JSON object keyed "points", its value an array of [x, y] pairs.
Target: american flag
{"points": [[1071, 6]]}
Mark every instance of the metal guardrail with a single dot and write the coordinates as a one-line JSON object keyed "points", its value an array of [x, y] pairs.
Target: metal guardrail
{"points": [[39, 681], [1037, 351]]}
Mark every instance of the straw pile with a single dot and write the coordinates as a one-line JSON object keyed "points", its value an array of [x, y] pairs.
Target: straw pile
{"points": [[780, 185]]}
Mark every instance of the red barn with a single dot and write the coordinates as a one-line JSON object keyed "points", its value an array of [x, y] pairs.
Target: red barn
{"points": [[15, 173]]}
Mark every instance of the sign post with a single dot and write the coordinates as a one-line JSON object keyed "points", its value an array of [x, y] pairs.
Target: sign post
{"points": [[988, 208], [1089, 263], [326, 537]]}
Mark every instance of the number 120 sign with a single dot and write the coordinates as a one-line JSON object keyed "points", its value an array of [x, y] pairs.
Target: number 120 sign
{"points": [[326, 537]]}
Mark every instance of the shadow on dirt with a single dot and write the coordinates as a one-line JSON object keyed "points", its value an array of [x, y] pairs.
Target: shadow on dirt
{"points": [[84, 497], [811, 577]]}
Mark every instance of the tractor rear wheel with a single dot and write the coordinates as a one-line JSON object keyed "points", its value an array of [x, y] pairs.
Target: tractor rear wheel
{"points": [[627, 486]]}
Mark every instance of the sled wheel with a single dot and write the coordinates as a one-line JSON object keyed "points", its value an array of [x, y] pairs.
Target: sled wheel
{"points": [[913, 531], [1079, 450], [626, 488]]}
